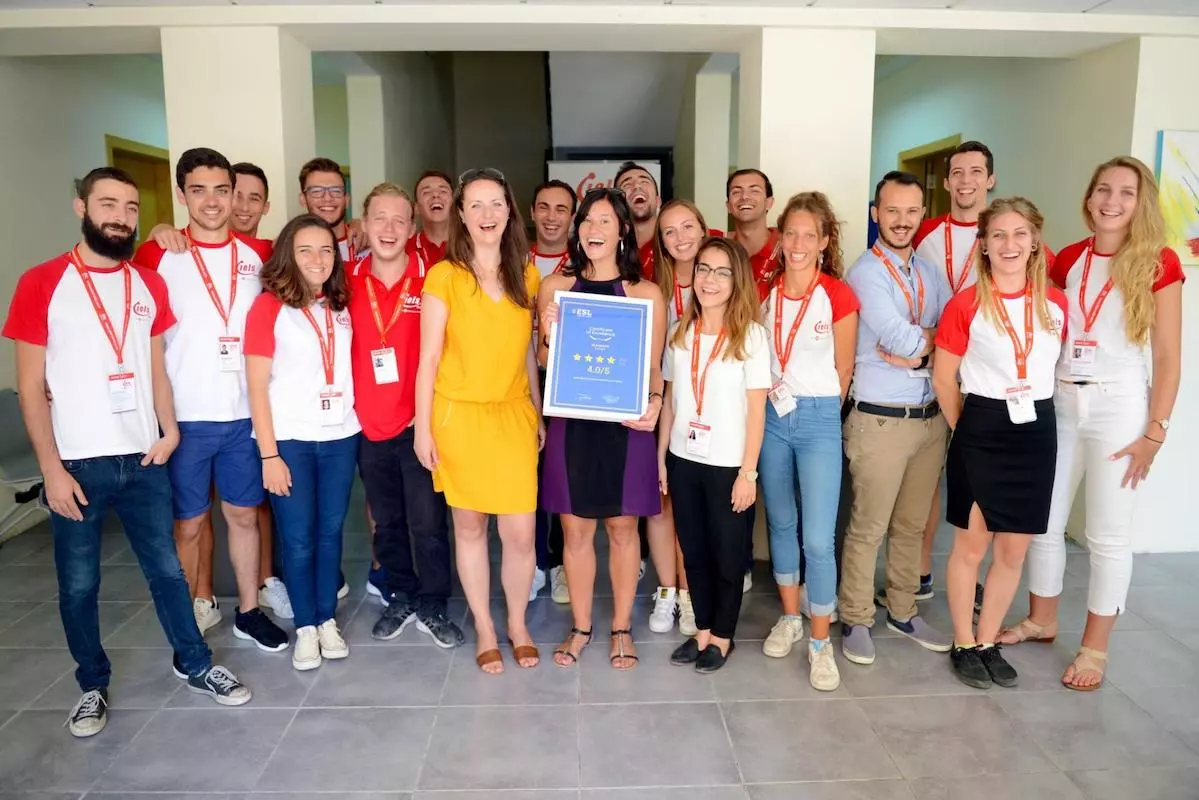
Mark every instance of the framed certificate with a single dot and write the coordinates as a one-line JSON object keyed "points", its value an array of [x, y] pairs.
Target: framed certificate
{"points": [[599, 357]]}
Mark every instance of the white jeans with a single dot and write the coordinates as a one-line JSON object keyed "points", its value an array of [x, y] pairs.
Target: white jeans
{"points": [[1093, 422]]}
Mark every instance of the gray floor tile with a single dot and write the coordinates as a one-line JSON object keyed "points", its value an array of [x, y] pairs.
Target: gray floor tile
{"points": [[545, 684], [1150, 658], [487, 794], [754, 676], [25, 674], [901, 667], [382, 676], [687, 793], [1099, 730], [1072, 613], [11, 613], [272, 678], [647, 744], [320, 796], [503, 748], [1041, 665], [24, 545], [1174, 708], [1168, 608], [141, 630], [28, 583], [654, 679], [759, 612], [124, 582], [1153, 569], [953, 736], [839, 790], [1188, 638], [805, 741], [37, 752], [43, 626], [163, 796], [41, 796], [1012, 786], [140, 679], [350, 749], [1143, 784], [237, 742]]}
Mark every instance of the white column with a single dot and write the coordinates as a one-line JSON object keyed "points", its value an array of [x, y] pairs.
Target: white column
{"points": [[806, 110], [713, 110], [368, 127], [252, 104]]}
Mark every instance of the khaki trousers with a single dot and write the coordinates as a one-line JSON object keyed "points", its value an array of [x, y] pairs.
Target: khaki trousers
{"points": [[895, 465]]}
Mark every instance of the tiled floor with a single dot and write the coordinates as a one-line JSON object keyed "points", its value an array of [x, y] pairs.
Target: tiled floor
{"points": [[406, 720]]}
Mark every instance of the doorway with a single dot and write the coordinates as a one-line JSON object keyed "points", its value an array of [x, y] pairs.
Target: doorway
{"points": [[930, 163], [150, 167]]}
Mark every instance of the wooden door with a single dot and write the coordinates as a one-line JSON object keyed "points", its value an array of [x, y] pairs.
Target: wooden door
{"points": [[151, 170]]}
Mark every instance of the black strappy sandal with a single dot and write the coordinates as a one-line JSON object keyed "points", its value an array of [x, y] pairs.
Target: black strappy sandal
{"points": [[620, 653], [564, 649]]}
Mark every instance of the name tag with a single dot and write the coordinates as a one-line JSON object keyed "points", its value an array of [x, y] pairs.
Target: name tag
{"points": [[699, 439], [1082, 358], [122, 392], [920, 373], [781, 399], [229, 350], [1020, 407], [384, 363], [332, 408]]}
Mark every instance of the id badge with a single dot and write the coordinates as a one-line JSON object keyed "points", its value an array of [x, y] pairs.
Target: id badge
{"points": [[229, 351], [699, 439], [920, 373], [332, 411], [384, 363], [122, 392], [782, 399], [1020, 407], [1082, 358]]}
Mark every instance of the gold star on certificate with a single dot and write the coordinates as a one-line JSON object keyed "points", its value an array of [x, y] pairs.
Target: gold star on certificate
{"points": [[578, 357], [587, 359], [611, 359]]}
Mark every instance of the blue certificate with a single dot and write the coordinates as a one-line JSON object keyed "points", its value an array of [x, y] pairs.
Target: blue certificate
{"points": [[599, 357]]}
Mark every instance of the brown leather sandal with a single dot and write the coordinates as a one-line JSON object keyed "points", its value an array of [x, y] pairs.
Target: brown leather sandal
{"points": [[564, 648], [492, 656], [1087, 659], [1028, 631], [521, 652]]}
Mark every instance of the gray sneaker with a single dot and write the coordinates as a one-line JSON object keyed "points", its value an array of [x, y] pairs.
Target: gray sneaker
{"points": [[857, 646], [397, 614], [921, 633]]}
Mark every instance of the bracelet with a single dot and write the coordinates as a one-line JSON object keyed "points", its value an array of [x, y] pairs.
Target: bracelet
{"points": [[268, 458], [652, 395], [1155, 441]]}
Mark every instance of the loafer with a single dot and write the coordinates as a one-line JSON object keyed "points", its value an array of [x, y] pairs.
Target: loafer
{"points": [[686, 653], [711, 659]]}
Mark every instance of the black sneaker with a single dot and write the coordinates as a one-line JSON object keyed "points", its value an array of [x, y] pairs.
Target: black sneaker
{"points": [[711, 659], [441, 630], [90, 714], [968, 666], [221, 685], [258, 628], [925, 592], [1000, 670], [177, 667], [685, 654], [397, 614]]}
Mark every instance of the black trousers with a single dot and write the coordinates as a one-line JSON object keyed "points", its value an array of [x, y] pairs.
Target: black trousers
{"points": [[713, 539], [409, 518]]}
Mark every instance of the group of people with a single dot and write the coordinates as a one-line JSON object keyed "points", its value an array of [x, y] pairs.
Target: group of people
{"points": [[959, 344]]}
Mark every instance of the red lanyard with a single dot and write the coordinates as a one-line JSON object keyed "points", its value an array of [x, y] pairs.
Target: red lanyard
{"points": [[118, 345], [563, 259], [699, 380], [204, 276], [784, 354], [327, 341], [915, 307], [351, 252], [956, 286], [378, 314], [1021, 354], [1089, 316], [678, 299]]}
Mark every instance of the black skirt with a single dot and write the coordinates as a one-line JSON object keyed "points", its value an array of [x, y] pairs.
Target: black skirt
{"points": [[1006, 468]]}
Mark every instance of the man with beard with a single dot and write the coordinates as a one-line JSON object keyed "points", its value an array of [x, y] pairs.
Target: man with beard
{"points": [[641, 190], [89, 328], [895, 435], [433, 192], [212, 285], [323, 193], [749, 196]]}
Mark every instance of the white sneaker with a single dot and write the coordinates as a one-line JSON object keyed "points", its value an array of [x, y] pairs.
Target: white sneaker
{"points": [[783, 636], [805, 607], [748, 582], [559, 591], [273, 595], [332, 645], [824, 674], [538, 584], [661, 620], [686, 614], [208, 613], [307, 653], [344, 591]]}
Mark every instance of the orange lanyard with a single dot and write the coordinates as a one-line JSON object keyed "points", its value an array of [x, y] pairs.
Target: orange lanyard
{"points": [[678, 299], [327, 352], [916, 307], [208, 284], [1089, 316], [956, 287], [784, 354], [700, 380], [118, 345], [378, 314], [1021, 354]]}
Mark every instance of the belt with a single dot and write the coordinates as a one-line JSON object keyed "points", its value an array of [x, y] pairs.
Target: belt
{"points": [[1079, 383], [900, 412]]}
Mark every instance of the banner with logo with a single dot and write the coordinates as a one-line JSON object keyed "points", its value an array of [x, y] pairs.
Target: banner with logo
{"points": [[585, 175]]}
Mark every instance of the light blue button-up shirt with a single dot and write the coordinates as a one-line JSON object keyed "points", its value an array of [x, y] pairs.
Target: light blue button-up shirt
{"points": [[885, 319]]}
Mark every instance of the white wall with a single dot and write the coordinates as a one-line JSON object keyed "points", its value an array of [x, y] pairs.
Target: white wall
{"points": [[332, 121]]}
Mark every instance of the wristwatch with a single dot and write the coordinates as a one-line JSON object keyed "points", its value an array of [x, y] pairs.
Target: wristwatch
{"points": [[1163, 423], [750, 475]]}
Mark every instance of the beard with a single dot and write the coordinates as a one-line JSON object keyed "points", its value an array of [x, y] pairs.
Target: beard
{"points": [[103, 240], [883, 234]]}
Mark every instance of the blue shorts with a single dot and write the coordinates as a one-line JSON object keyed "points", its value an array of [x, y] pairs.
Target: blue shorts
{"points": [[223, 451]]}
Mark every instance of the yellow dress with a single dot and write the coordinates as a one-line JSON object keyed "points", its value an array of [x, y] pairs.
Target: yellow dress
{"points": [[484, 424]]}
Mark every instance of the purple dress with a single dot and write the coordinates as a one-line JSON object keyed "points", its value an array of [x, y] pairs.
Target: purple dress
{"points": [[596, 469]]}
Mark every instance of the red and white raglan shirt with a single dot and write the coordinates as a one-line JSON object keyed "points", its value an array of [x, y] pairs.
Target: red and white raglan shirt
{"points": [[103, 405], [312, 382], [989, 360], [429, 251], [802, 352], [1098, 348], [385, 349], [211, 287], [951, 245]]}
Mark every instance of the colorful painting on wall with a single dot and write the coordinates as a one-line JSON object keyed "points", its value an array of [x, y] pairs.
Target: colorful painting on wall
{"points": [[1178, 177]]}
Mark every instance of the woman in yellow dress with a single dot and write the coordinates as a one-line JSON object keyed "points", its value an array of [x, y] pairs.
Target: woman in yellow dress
{"points": [[478, 408]]}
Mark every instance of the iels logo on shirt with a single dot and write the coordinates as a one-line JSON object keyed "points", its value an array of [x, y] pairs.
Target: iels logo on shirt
{"points": [[141, 311], [412, 304], [343, 318], [823, 329], [247, 270]]}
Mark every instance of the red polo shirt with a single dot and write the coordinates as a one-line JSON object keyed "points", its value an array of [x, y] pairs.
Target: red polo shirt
{"points": [[430, 252]]}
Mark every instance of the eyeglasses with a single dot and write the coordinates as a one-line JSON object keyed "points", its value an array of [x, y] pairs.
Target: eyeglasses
{"points": [[491, 173], [720, 273], [318, 192]]}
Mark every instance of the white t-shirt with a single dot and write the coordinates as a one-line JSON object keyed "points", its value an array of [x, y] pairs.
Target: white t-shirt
{"points": [[988, 367], [51, 309], [203, 391], [549, 263], [1116, 358], [285, 335], [725, 408], [812, 369], [963, 239]]}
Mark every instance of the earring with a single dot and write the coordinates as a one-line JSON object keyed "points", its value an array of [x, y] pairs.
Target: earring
{"points": [[1034, 249], [620, 248], [820, 259]]}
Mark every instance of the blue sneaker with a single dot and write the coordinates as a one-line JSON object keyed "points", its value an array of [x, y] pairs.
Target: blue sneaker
{"points": [[376, 584]]}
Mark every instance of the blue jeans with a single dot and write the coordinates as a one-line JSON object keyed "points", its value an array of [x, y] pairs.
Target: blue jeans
{"points": [[141, 497], [804, 447], [309, 522]]}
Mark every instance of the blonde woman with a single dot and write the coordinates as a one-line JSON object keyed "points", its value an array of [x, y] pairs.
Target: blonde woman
{"points": [[1125, 293], [1003, 336]]}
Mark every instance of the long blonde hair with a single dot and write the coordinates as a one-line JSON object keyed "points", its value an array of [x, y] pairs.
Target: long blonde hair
{"points": [[742, 310], [818, 205], [1037, 269], [664, 274], [1136, 265]]}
